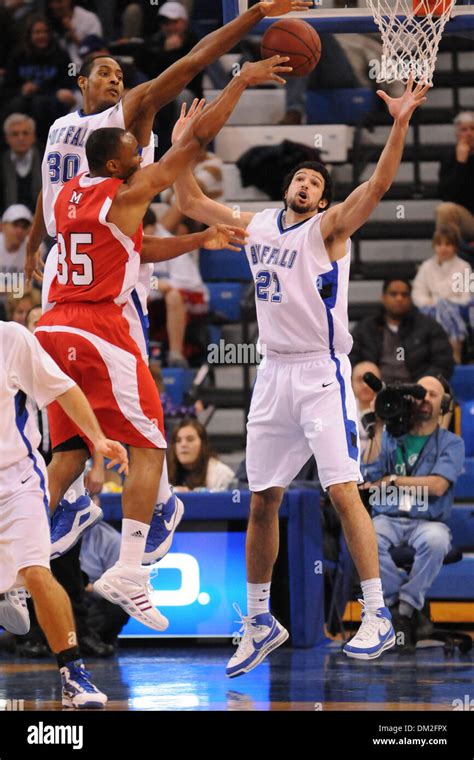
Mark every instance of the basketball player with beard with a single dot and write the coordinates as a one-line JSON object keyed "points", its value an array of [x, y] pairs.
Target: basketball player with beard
{"points": [[302, 402]]}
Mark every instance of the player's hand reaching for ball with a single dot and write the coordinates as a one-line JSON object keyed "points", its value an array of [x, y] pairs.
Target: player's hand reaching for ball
{"points": [[223, 236], [402, 108], [186, 118], [267, 70], [114, 451], [281, 7]]}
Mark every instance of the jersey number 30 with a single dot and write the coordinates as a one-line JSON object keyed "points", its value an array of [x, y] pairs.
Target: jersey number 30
{"points": [[76, 258], [263, 282]]}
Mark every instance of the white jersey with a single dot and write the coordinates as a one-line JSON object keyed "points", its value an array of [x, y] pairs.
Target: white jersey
{"points": [[64, 158], [301, 296], [25, 370]]}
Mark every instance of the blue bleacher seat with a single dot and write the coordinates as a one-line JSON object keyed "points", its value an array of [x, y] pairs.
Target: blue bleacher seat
{"points": [[467, 426], [462, 382], [224, 265], [177, 382], [224, 297], [340, 106], [464, 488], [461, 524]]}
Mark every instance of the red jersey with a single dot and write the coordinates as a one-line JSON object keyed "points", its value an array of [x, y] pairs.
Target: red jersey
{"points": [[97, 262]]}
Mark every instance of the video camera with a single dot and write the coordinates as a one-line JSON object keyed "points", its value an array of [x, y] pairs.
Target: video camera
{"points": [[394, 404]]}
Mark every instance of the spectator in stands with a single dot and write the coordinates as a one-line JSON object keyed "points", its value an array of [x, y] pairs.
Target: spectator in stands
{"points": [[456, 180], [72, 24], [192, 464], [17, 308], [32, 318], [20, 163], [411, 483], [178, 294], [16, 223], [173, 41], [37, 80], [364, 397], [404, 343], [441, 288]]}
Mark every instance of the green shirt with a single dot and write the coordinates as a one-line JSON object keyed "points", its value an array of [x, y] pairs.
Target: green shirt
{"points": [[408, 451]]}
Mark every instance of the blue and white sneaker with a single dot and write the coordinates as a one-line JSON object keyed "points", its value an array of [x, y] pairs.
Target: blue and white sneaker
{"points": [[78, 689], [261, 635], [165, 520], [375, 635], [70, 521], [14, 615]]}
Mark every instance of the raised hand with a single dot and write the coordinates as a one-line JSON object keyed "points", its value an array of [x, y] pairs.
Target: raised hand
{"points": [[266, 70], [282, 7], [223, 236], [401, 109], [185, 118]]}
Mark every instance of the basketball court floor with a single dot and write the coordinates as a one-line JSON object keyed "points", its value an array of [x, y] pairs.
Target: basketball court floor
{"points": [[193, 678]]}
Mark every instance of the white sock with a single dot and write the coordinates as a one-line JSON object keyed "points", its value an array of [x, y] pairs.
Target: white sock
{"points": [[164, 489], [258, 598], [372, 593], [134, 535]]}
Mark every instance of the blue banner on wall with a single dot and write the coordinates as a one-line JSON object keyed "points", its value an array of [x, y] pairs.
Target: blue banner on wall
{"points": [[196, 584]]}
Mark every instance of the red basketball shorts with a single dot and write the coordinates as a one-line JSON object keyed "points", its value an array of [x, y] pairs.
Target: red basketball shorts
{"points": [[91, 343]]}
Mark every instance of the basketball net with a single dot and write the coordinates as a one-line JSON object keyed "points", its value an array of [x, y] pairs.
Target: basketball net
{"points": [[411, 32]]}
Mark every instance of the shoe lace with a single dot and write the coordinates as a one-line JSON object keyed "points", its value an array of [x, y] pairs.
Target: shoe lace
{"points": [[81, 677], [370, 623], [246, 624]]}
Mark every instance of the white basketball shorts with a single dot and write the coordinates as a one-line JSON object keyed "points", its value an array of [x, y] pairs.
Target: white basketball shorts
{"points": [[302, 404], [24, 519]]}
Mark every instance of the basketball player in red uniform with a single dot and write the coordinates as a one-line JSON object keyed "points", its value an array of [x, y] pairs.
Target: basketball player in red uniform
{"points": [[105, 105], [99, 222]]}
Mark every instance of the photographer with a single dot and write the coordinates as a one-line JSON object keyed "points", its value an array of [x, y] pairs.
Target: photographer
{"points": [[410, 476]]}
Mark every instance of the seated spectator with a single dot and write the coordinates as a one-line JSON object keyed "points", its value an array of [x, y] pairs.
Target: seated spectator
{"points": [[364, 397], [16, 223], [13, 17], [20, 163], [37, 80], [456, 180], [17, 309], [439, 288], [173, 41], [404, 343], [72, 24], [411, 484], [192, 464], [177, 286]]}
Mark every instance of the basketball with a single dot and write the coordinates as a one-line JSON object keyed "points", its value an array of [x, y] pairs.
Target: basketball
{"points": [[297, 39]]}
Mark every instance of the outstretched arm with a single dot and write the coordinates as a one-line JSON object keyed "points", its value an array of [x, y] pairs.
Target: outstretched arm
{"points": [[35, 238], [343, 220], [219, 236], [132, 199], [142, 102]]}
